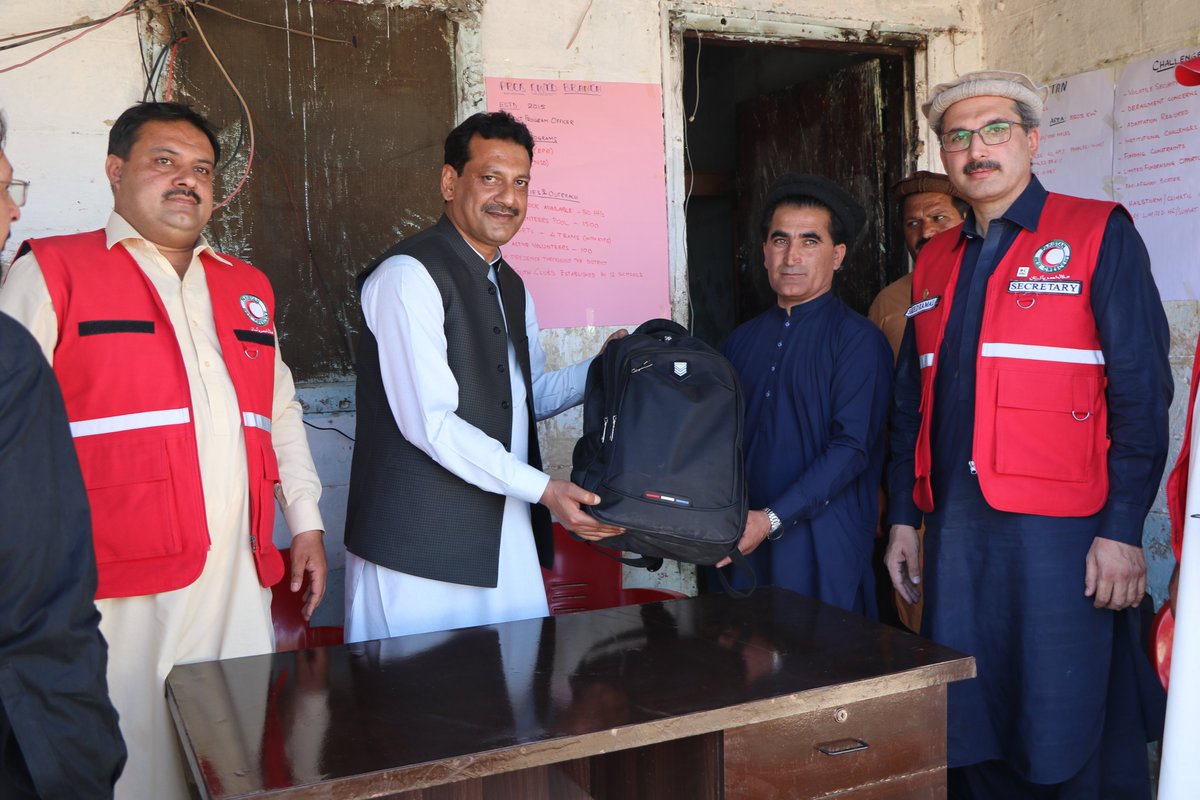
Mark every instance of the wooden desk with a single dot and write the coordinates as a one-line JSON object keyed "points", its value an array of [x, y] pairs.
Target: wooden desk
{"points": [[773, 696]]}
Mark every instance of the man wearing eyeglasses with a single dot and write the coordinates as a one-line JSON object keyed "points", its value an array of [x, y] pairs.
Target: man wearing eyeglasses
{"points": [[1030, 430], [58, 731]]}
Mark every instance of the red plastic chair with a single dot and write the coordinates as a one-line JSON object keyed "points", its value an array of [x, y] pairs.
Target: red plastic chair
{"points": [[1162, 634], [583, 579], [292, 631]]}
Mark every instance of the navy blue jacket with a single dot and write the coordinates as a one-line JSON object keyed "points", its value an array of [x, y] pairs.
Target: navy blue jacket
{"points": [[58, 730]]}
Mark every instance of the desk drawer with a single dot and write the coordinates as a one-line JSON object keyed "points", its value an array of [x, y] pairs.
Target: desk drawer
{"points": [[886, 747]]}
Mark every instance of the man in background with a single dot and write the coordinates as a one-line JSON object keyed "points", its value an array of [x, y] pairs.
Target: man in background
{"points": [[930, 205]]}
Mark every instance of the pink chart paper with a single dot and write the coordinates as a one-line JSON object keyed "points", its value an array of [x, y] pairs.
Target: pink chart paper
{"points": [[593, 249]]}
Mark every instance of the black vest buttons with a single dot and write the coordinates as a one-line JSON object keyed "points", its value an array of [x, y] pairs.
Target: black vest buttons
{"points": [[497, 329], [499, 368], [491, 289], [505, 405]]}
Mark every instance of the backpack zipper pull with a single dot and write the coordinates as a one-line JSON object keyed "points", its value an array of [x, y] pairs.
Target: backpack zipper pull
{"points": [[604, 432], [971, 466]]}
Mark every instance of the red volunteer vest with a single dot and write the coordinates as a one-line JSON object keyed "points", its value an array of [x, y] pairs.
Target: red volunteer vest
{"points": [[126, 392], [1177, 483], [1041, 438]]}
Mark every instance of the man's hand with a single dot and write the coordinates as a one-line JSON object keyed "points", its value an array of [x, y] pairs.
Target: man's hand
{"points": [[1115, 574], [566, 500], [621, 334], [903, 562], [308, 555], [758, 525]]}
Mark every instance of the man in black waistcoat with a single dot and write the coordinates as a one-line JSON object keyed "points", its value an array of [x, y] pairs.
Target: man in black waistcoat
{"points": [[449, 510]]}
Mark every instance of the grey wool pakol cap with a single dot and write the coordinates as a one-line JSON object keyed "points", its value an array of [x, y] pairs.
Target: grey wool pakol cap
{"points": [[848, 210], [989, 83]]}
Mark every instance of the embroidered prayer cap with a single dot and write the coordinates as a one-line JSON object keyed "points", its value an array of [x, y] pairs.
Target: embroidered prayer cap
{"points": [[848, 211], [985, 83], [923, 181], [1188, 72]]}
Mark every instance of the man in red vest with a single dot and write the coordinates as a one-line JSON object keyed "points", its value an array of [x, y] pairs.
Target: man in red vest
{"points": [[1030, 431], [185, 422]]}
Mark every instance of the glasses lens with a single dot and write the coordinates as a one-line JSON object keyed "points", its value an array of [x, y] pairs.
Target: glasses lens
{"points": [[996, 133], [956, 140], [18, 190]]}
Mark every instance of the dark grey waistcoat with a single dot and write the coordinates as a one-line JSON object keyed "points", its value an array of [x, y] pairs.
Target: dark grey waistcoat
{"points": [[405, 511]]}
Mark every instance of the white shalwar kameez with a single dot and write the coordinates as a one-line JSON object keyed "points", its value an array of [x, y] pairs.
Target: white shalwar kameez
{"points": [[403, 308]]}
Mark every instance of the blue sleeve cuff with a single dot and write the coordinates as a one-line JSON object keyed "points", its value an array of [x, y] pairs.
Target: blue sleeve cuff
{"points": [[1122, 522]]}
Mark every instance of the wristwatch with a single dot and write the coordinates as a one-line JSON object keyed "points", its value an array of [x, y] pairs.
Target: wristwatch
{"points": [[776, 525]]}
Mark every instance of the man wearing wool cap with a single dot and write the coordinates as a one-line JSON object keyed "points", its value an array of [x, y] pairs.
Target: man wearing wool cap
{"points": [[1030, 430], [817, 380]]}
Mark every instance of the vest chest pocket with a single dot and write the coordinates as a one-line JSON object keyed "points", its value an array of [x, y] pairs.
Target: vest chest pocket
{"points": [[1047, 424], [130, 492]]}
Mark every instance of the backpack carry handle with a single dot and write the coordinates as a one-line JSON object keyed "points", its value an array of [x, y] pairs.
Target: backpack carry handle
{"points": [[648, 563], [743, 566], [656, 327], [653, 564]]}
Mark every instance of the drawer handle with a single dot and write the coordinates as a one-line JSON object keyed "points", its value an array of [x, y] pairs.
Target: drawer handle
{"points": [[842, 746]]}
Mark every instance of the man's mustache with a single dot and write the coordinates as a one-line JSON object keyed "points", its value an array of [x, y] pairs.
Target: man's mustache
{"points": [[503, 209], [181, 193], [976, 166]]}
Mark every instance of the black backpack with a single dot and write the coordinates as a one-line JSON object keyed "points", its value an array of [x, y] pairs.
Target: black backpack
{"points": [[662, 447]]}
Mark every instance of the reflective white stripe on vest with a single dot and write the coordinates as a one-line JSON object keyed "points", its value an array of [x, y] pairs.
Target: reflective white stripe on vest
{"points": [[130, 422], [1037, 352], [926, 360], [251, 420]]}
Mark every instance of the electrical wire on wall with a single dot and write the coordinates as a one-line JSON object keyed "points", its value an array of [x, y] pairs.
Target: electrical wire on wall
{"points": [[255, 130], [691, 174], [159, 71], [338, 431], [247, 118]]}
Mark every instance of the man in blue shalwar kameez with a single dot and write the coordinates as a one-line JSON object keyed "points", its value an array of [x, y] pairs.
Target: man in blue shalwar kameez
{"points": [[1030, 427], [817, 380]]}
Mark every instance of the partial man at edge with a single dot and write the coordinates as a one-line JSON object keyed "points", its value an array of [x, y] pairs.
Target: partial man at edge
{"points": [[185, 422], [59, 737], [447, 517], [1180, 775], [1030, 431], [817, 381]]}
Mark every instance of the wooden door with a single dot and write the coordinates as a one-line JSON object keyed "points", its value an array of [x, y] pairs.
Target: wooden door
{"points": [[846, 125]]}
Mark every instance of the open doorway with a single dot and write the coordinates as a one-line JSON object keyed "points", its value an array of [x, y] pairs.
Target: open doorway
{"points": [[753, 111]]}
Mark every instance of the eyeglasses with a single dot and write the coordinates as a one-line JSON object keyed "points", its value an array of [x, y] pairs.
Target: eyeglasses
{"points": [[992, 133], [17, 190]]}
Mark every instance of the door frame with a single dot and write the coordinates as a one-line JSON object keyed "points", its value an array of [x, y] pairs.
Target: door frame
{"points": [[752, 27]]}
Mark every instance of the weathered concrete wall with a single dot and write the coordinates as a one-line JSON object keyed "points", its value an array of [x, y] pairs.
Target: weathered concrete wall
{"points": [[60, 107], [1055, 38], [1050, 39]]}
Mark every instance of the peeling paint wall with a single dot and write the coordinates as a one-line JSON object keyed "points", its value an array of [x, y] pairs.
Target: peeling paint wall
{"points": [[59, 109], [1050, 39]]}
